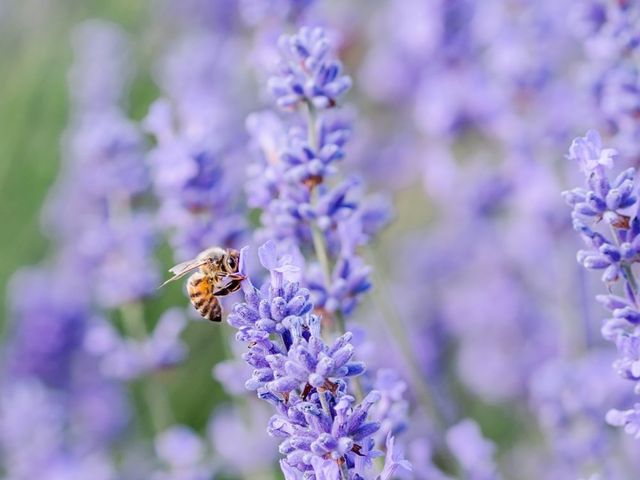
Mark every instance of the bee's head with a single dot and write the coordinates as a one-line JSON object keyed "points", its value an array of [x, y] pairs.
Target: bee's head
{"points": [[231, 261], [217, 260]]}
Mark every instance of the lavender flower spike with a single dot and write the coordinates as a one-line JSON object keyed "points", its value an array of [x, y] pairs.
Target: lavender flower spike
{"points": [[325, 433], [297, 155], [605, 214]]}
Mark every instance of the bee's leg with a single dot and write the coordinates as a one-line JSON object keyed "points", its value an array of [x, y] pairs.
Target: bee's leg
{"points": [[234, 276], [231, 287]]}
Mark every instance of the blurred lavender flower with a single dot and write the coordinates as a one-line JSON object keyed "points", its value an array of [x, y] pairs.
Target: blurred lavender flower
{"points": [[102, 172], [101, 70], [259, 13], [90, 211], [394, 460], [392, 410], [472, 450], [590, 155], [36, 440], [119, 253], [56, 307], [102, 257], [103, 160], [193, 164], [128, 359], [195, 15], [629, 419], [570, 399], [233, 426], [184, 455], [610, 32]]}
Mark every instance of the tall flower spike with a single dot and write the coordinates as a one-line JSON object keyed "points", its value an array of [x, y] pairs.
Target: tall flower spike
{"points": [[614, 250], [296, 156], [324, 432]]}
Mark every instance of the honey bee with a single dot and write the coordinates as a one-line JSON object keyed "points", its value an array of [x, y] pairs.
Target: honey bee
{"points": [[218, 275]]}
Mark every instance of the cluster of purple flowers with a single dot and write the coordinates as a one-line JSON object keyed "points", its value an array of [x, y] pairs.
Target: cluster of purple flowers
{"points": [[604, 214], [326, 433], [307, 74], [297, 160], [325, 430], [330, 429]]}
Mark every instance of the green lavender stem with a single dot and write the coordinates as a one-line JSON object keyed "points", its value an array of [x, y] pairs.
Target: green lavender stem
{"points": [[154, 395], [628, 274], [319, 244], [344, 473]]}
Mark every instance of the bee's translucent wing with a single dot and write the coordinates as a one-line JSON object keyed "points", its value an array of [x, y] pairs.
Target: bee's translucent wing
{"points": [[182, 269], [185, 267]]}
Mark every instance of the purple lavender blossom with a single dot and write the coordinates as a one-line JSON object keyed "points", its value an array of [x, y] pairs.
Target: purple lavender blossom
{"points": [[587, 151], [101, 70], [613, 204], [102, 150], [473, 451], [628, 419], [192, 164], [392, 410], [184, 455], [394, 460], [119, 253], [323, 429], [58, 308], [102, 257], [127, 358], [90, 213], [306, 377], [307, 73], [289, 181]]}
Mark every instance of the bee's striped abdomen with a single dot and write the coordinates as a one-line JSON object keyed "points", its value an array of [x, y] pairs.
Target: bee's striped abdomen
{"points": [[200, 288]]}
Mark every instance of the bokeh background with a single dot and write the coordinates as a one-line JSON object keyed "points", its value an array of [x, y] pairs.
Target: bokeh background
{"points": [[36, 57], [463, 112]]}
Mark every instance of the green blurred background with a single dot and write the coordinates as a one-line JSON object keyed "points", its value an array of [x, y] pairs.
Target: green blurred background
{"points": [[35, 56]]}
